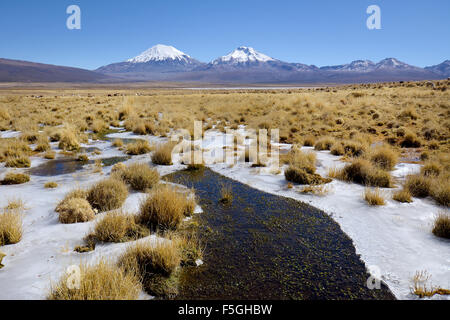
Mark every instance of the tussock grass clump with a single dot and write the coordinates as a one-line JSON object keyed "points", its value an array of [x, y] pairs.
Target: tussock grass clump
{"points": [[337, 149], [419, 186], [163, 154], [138, 175], [18, 162], [15, 204], [75, 193], [440, 192], [148, 259], [324, 143], [195, 166], [403, 196], [68, 140], [138, 147], [374, 197], [309, 141], [10, 227], [164, 208], [226, 194], [301, 176], [42, 144], [15, 178], [189, 244], [411, 141], [349, 148], [302, 168], [50, 155], [384, 157], [156, 265], [102, 281], [50, 185], [363, 172], [75, 210], [118, 143], [431, 169], [83, 157], [107, 195], [441, 226], [302, 160], [118, 227]]}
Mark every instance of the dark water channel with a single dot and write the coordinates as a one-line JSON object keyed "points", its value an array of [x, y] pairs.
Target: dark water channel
{"points": [[263, 246]]}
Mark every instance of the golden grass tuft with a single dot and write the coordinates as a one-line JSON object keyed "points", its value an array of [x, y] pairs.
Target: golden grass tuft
{"points": [[431, 169], [138, 147], [75, 210], [107, 195], [164, 208], [118, 143], [383, 157], [138, 175], [363, 172], [403, 196], [374, 197], [18, 162], [440, 191], [50, 185], [422, 288], [324, 143], [68, 140], [226, 194], [12, 178], [50, 155], [147, 258], [10, 227], [118, 227], [302, 168], [102, 281], [156, 265], [15, 204], [419, 186], [163, 154], [441, 225]]}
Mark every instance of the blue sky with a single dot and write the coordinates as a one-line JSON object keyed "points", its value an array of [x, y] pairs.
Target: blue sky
{"points": [[322, 32]]}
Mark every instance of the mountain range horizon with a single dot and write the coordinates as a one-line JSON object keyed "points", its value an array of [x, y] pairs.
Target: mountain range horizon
{"points": [[242, 65]]}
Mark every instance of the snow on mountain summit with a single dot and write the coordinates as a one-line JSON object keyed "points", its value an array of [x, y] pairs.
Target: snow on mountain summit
{"points": [[392, 63], [243, 55], [160, 52]]}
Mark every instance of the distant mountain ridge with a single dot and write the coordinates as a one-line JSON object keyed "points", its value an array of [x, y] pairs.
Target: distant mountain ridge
{"points": [[25, 71], [242, 65], [442, 68], [245, 64]]}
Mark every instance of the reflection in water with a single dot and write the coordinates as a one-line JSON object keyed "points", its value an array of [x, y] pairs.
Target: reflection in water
{"points": [[66, 166]]}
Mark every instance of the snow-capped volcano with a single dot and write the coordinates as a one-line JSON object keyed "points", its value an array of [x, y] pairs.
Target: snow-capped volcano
{"points": [[158, 62], [243, 55], [161, 52], [392, 63]]}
